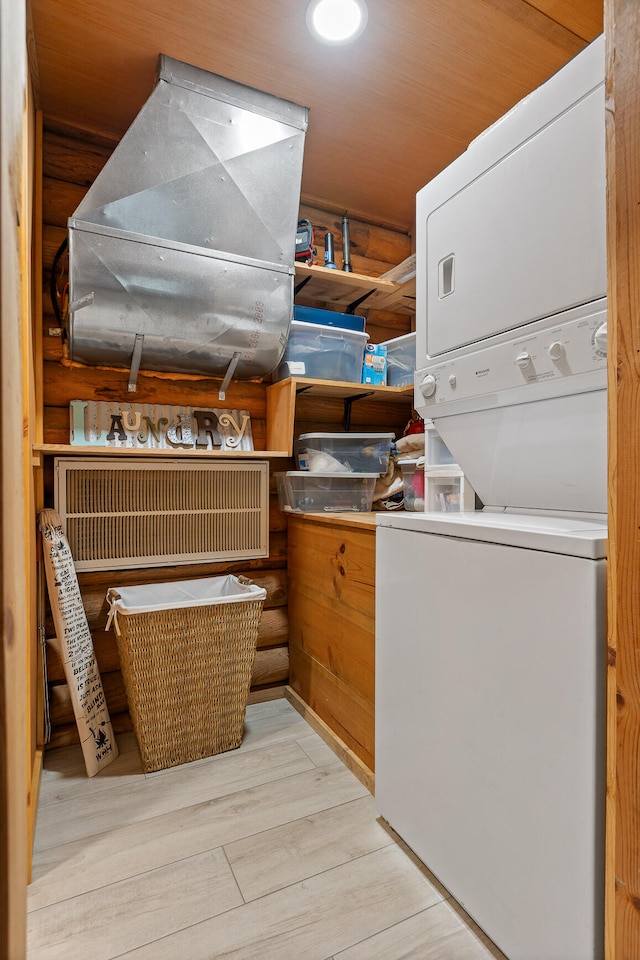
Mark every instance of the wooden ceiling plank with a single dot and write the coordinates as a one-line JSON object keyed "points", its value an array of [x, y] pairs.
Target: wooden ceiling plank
{"points": [[386, 114]]}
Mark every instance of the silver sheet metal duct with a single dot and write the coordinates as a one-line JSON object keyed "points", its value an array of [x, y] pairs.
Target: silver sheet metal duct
{"points": [[181, 255]]}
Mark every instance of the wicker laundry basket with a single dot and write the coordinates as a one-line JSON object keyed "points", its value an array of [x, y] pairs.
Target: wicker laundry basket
{"points": [[187, 650]]}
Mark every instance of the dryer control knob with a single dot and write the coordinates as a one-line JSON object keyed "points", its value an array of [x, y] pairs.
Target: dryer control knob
{"points": [[600, 339], [523, 359], [428, 386], [556, 350]]}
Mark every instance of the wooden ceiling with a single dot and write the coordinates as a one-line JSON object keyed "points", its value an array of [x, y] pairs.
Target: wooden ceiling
{"points": [[386, 113]]}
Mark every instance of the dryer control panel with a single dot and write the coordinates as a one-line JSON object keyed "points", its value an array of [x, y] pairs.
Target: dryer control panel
{"points": [[551, 358]]}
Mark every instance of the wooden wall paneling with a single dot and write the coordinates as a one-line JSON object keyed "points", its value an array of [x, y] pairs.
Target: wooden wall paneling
{"points": [[349, 715], [67, 734], [384, 325], [326, 415], [622, 33], [583, 19], [52, 238], [281, 411], [273, 632], [32, 348], [59, 200], [61, 706], [271, 666], [374, 249], [62, 383], [58, 424], [75, 160], [65, 163], [70, 164], [455, 74], [15, 528], [350, 759], [332, 582]]}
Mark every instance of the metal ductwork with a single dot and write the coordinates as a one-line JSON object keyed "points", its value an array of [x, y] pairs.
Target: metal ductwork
{"points": [[181, 255]]}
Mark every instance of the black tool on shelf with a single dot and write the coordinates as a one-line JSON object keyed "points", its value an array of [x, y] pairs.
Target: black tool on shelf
{"points": [[329, 252], [346, 246]]}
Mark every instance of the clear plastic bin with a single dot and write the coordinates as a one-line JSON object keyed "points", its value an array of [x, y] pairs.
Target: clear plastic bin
{"points": [[401, 360], [448, 490], [300, 491], [344, 452], [413, 483], [323, 353], [436, 451]]}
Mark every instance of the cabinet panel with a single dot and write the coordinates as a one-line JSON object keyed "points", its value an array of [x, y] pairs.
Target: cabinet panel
{"points": [[349, 716], [332, 628]]}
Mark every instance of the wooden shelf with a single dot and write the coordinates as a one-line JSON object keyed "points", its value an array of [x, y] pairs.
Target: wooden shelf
{"points": [[343, 289], [68, 450], [281, 402], [281, 412]]}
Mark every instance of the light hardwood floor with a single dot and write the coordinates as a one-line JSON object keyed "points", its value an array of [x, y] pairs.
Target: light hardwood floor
{"points": [[270, 851]]}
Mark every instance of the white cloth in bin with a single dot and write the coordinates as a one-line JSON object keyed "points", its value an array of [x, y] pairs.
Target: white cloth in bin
{"points": [[322, 462], [180, 593]]}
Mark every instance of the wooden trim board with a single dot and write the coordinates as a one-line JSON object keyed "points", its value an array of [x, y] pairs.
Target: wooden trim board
{"points": [[622, 900], [348, 757]]}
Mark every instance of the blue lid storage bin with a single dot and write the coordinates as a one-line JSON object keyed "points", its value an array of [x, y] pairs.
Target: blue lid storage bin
{"points": [[328, 318], [323, 353]]}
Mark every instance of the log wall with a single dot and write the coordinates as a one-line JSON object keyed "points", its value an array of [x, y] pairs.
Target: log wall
{"points": [[71, 162]]}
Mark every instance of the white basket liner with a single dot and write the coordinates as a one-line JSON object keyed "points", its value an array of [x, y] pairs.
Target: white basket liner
{"points": [[203, 592]]}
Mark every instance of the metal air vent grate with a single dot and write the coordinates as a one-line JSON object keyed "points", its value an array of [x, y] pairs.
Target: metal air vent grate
{"points": [[142, 514]]}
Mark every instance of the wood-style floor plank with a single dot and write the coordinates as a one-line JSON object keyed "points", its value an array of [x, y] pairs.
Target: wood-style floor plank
{"points": [[64, 777], [155, 795], [111, 920], [313, 919], [437, 933], [287, 854], [274, 850], [68, 870]]}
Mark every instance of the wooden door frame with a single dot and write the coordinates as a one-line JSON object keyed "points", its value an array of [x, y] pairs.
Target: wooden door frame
{"points": [[15, 524], [622, 29], [622, 35]]}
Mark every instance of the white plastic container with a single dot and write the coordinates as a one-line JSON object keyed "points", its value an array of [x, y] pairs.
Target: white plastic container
{"points": [[437, 453], [401, 360], [323, 353], [344, 452], [447, 490], [300, 491]]}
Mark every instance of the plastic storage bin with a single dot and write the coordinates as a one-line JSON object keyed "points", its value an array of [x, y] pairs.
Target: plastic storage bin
{"points": [[344, 452], [437, 453], [300, 491], [328, 318], [413, 483], [187, 650], [447, 490], [323, 353], [401, 360]]}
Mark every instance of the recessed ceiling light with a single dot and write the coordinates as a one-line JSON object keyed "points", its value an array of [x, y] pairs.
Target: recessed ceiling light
{"points": [[336, 21]]}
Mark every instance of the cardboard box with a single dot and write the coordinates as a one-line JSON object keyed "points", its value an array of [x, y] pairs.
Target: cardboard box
{"points": [[374, 365]]}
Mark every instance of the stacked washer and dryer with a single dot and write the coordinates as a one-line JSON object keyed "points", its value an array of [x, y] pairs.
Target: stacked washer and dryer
{"points": [[490, 625]]}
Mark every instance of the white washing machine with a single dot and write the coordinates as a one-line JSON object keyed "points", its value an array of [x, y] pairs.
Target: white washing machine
{"points": [[490, 626]]}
